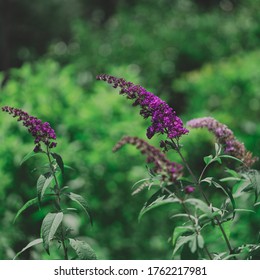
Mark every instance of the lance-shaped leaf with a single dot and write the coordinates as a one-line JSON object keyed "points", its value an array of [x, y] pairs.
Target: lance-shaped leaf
{"points": [[161, 201], [29, 245], [199, 204], [179, 231], [25, 206], [29, 155], [43, 183], [227, 191], [181, 241], [82, 249], [81, 202], [59, 161], [49, 227]]}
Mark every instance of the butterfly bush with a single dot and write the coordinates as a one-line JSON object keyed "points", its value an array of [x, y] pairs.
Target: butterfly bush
{"points": [[225, 137], [163, 117], [169, 170], [190, 193], [41, 131]]}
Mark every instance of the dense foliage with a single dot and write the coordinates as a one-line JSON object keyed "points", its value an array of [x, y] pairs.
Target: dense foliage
{"points": [[200, 56]]}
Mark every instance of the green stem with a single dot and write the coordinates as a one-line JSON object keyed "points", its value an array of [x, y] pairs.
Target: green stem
{"points": [[192, 221], [197, 183], [57, 193]]}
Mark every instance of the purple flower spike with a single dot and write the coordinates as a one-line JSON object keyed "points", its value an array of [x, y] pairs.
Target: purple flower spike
{"points": [[163, 118], [170, 170], [225, 137], [42, 132]]}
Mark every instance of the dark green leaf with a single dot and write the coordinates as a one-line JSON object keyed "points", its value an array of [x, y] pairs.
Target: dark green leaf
{"points": [[161, 201], [50, 224], [181, 241], [25, 206], [178, 231], [199, 204], [82, 203], [59, 161], [227, 191], [32, 243], [42, 185], [82, 249], [29, 155]]}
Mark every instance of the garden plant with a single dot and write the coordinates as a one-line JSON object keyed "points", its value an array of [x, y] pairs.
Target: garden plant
{"points": [[50, 188], [203, 225]]}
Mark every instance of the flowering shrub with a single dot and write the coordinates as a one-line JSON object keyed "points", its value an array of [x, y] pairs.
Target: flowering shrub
{"points": [[201, 225], [49, 187]]}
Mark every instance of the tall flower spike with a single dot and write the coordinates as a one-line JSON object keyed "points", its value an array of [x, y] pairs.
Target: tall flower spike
{"points": [[170, 170], [163, 117], [42, 132], [226, 138]]}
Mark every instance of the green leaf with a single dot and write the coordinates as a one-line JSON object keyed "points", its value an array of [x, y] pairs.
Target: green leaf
{"points": [[256, 204], [82, 203], [178, 231], [227, 228], [42, 184], [231, 157], [29, 245], [244, 210], [161, 201], [208, 159], [233, 173], [217, 149], [50, 224], [199, 204], [59, 161], [193, 243], [29, 155], [227, 179], [25, 206], [183, 216], [200, 240], [207, 180], [82, 249], [218, 159], [227, 192], [181, 241]]}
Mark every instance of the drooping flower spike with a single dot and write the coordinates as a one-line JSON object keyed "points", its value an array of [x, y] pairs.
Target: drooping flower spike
{"points": [[163, 117], [225, 137], [170, 170], [41, 131]]}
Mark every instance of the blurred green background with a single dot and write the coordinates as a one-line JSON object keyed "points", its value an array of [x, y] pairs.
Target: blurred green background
{"points": [[202, 57]]}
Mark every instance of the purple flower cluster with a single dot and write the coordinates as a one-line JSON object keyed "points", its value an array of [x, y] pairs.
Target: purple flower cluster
{"points": [[169, 170], [163, 118], [42, 132], [226, 138]]}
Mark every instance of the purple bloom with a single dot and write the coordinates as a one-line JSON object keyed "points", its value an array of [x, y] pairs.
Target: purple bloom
{"points": [[169, 170], [189, 189], [42, 132], [163, 118], [226, 138]]}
